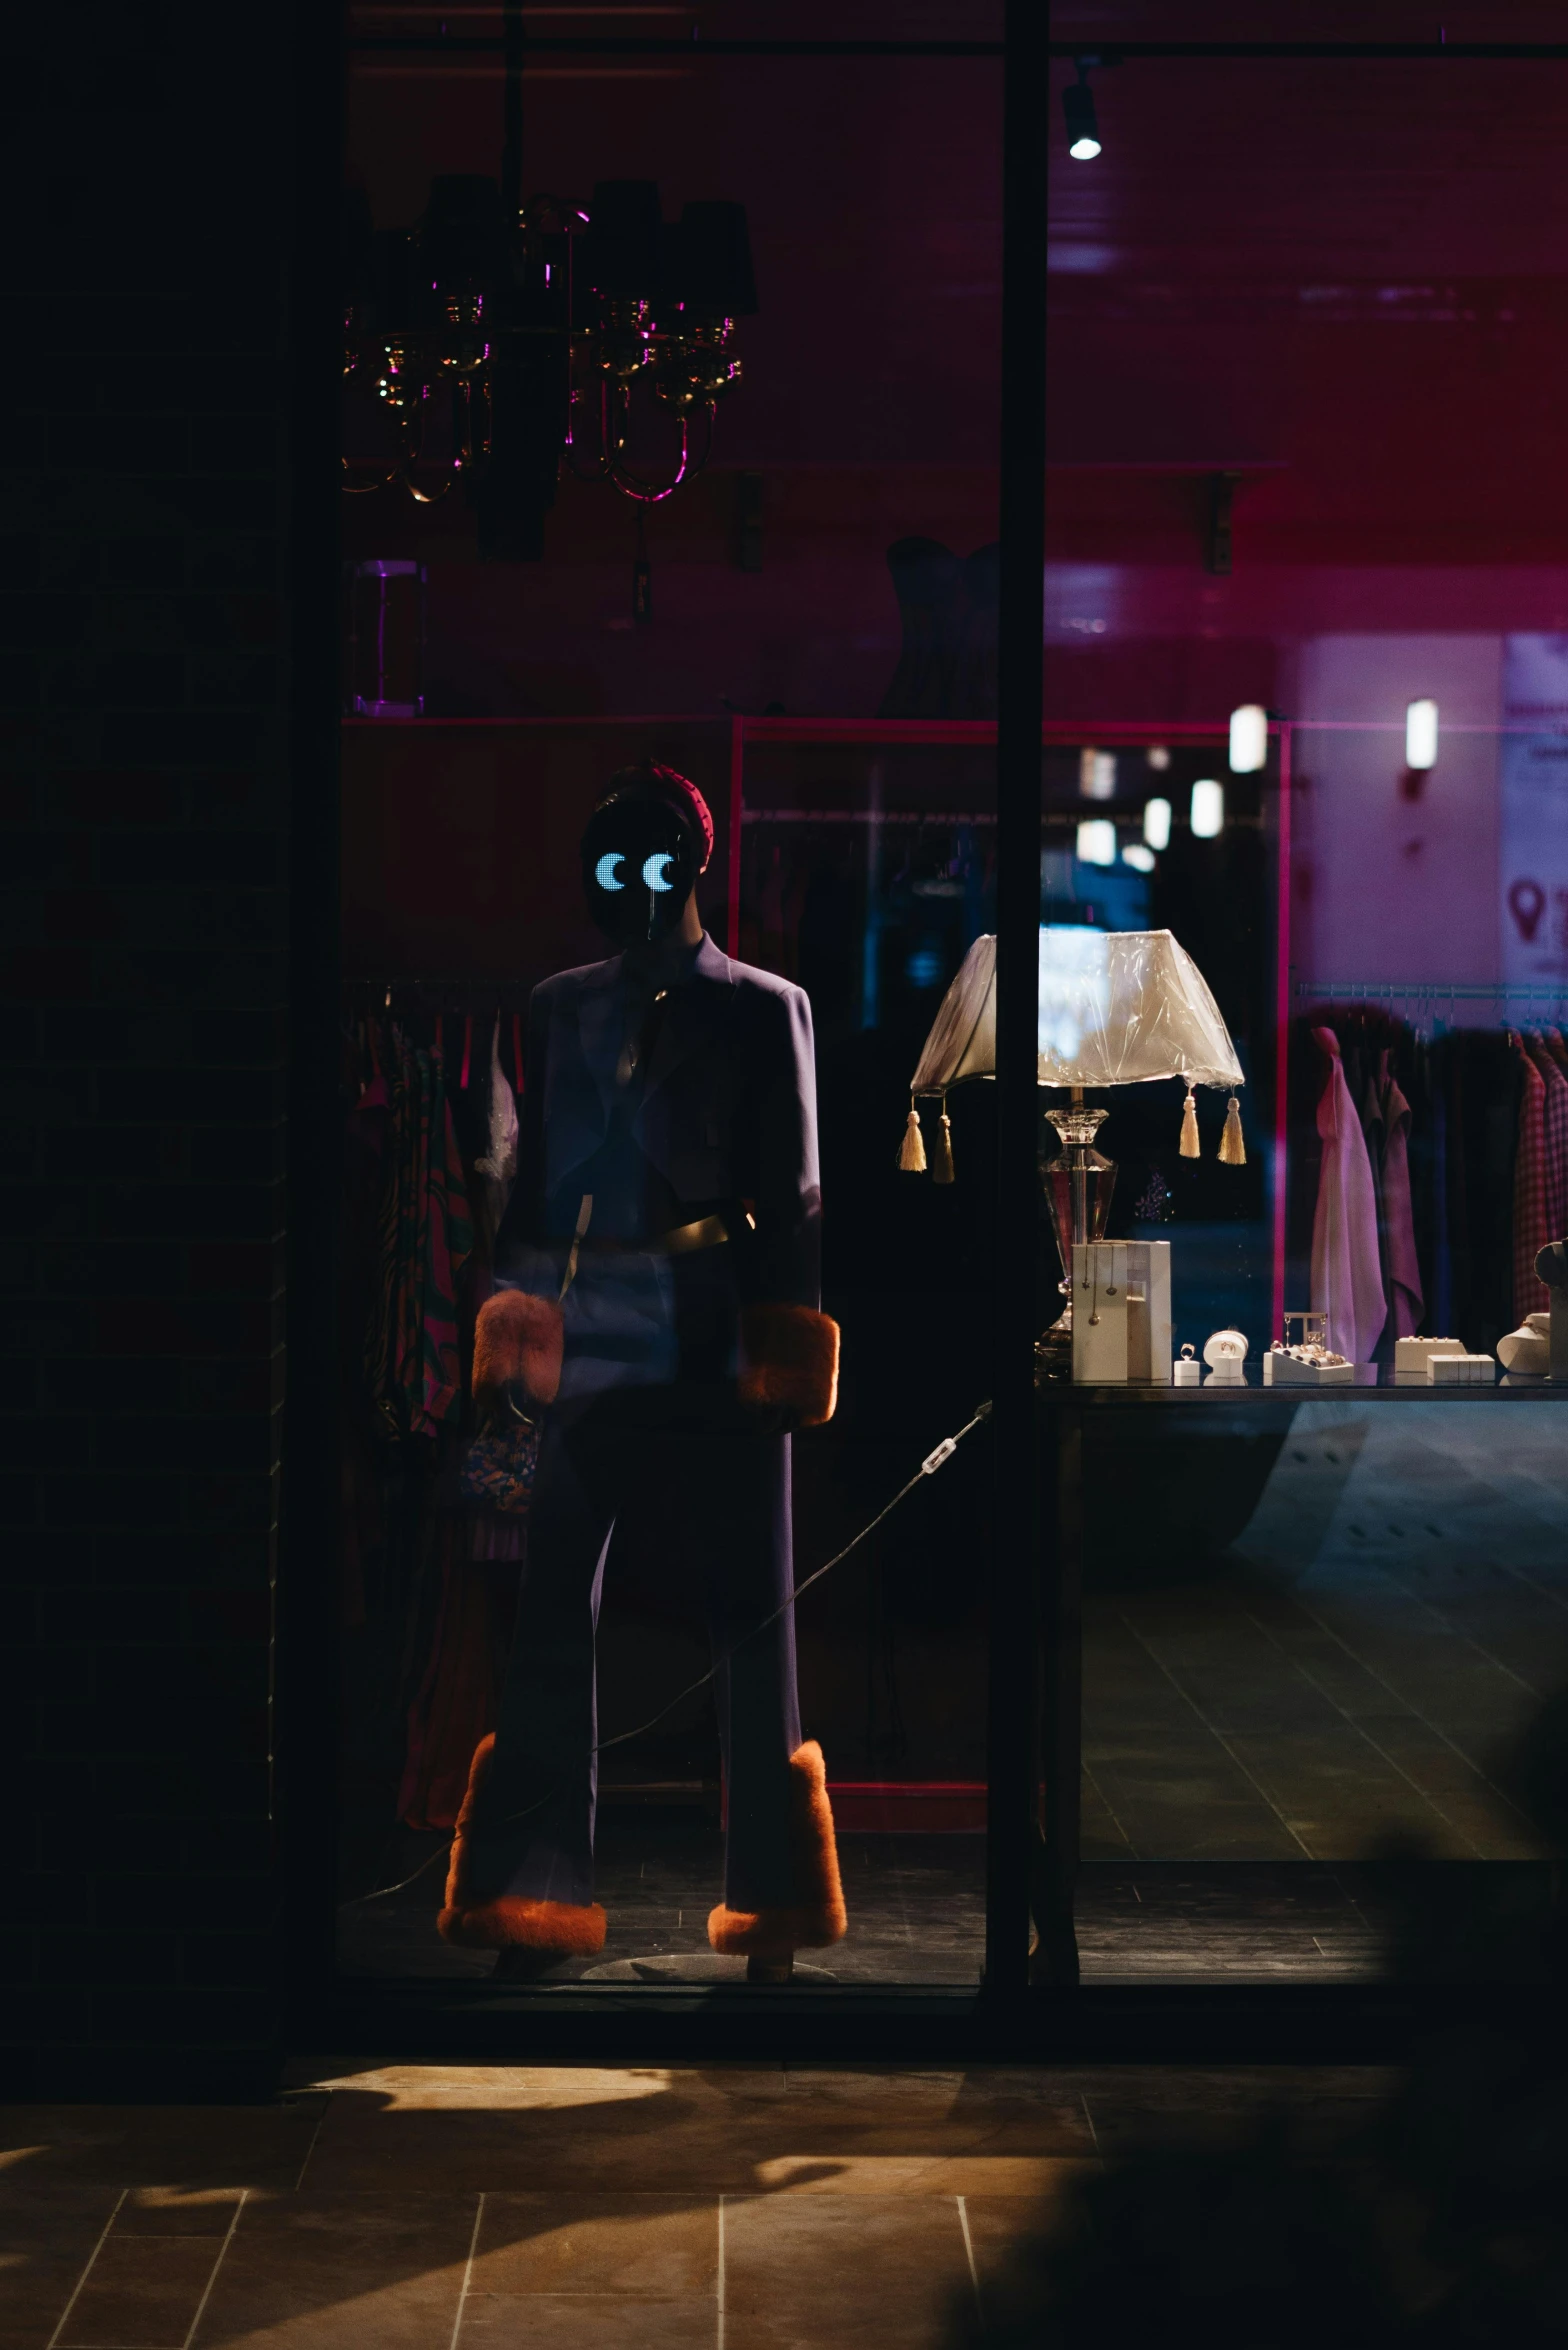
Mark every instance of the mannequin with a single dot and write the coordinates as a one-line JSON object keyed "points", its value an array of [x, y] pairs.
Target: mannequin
{"points": [[668, 1178]]}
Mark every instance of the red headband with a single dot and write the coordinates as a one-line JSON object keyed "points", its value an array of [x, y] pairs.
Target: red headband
{"points": [[684, 796]]}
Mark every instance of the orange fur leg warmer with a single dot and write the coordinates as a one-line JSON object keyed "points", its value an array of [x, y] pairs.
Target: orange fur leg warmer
{"points": [[789, 1363], [819, 1917], [518, 1341], [568, 1929]]}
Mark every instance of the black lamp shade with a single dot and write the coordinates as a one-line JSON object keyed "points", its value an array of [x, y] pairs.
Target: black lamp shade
{"points": [[461, 236], [395, 308], [708, 261], [356, 237], [621, 248], [1078, 107]]}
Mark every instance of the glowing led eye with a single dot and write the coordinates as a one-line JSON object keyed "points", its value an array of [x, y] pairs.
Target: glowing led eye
{"points": [[605, 874], [656, 870]]}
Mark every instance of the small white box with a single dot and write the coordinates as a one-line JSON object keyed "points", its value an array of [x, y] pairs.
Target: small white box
{"points": [[1186, 1371], [1461, 1370], [1412, 1355]]}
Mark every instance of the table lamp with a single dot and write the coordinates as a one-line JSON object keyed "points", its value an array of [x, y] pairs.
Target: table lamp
{"points": [[1116, 1007]]}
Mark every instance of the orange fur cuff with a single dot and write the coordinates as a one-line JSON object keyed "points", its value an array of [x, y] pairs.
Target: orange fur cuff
{"points": [[817, 1916], [570, 1929], [789, 1363], [518, 1341]]}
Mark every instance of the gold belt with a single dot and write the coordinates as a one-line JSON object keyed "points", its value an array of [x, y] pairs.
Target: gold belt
{"points": [[683, 1241], [707, 1232]]}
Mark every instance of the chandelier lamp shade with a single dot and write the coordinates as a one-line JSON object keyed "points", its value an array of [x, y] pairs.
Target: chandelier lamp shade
{"points": [[501, 346]]}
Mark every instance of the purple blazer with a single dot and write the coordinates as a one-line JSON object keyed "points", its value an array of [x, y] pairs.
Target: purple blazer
{"points": [[723, 1120]]}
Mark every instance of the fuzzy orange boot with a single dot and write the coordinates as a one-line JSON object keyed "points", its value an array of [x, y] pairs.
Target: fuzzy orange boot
{"points": [[562, 1929], [819, 1917]]}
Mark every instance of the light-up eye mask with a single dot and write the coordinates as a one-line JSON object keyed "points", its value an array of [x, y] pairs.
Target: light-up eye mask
{"points": [[639, 863], [656, 870]]}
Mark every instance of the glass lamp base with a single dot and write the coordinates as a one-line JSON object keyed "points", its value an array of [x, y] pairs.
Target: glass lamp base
{"points": [[1077, 1184]]}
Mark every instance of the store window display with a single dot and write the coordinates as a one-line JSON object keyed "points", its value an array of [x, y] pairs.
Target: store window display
{"points": [[658, 1312]]}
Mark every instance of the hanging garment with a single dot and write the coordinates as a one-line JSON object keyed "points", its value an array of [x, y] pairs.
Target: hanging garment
{"points": [[1366, 1079], [455, 1704], [1556, 1136], [497, 1169], [426, 1234], [1405, 1301], [1532, 1225], [1347, 1280]]}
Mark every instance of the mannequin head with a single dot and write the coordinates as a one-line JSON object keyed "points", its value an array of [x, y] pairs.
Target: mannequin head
{"points": [[645, 845]]}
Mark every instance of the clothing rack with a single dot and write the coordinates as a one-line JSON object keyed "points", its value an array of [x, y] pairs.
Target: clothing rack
{"points": [[468, 993], [474, 1003], [1423, 1001], [1457, 991]]}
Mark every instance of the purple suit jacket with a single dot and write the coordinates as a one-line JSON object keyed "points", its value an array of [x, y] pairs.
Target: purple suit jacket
{"points": [[725, 1119]]}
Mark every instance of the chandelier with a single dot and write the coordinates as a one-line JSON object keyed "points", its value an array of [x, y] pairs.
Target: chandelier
{"points": [[500, 344]]}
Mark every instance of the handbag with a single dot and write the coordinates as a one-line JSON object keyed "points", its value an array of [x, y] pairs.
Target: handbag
{"points": [[499, 1469], [498, 1473]]}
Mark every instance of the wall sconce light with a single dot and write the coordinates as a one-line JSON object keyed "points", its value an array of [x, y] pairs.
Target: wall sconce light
{"points": [[1208, 809], [1097, 841], [1249, 740], [1097, 774], [1421, 734], [1083, 129], [1157, 824]]}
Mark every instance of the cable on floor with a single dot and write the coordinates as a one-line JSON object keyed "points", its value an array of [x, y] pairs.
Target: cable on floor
{"points": [[936, 1459]]}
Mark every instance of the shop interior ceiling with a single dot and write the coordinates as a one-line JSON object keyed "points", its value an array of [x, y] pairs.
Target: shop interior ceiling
{"points": [[1342, 279]]}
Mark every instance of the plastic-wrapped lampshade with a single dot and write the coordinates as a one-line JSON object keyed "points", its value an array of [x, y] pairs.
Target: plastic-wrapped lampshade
{"points": [[1116, 1007]]}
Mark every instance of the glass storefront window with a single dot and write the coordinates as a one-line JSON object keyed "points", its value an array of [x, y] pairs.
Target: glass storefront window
{"points": [[1298, 896]]}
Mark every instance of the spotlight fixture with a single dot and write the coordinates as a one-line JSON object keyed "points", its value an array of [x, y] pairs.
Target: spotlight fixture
{"points": [[1208, 809], [1140, 858], [1097, 841], [1083, 129], [1249, 740], [1421, 734], [1157, 824]]}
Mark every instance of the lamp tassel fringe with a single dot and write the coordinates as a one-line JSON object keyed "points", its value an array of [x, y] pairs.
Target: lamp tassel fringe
{"points": [[942, 1149], [1189, 1126], [912, 1153], [1233, 1151]]}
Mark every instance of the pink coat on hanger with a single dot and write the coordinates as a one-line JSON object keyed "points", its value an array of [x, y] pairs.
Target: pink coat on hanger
{"points": [[1347, 1279]]}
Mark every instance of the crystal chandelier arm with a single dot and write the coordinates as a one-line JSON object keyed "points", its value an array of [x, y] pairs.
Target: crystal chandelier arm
{"points": [[631, 485], [364, 489], [427, 497], [412, 450], [599, 469]]}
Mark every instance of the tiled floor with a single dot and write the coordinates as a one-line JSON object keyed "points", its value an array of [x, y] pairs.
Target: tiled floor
{"points": [[764, 2208], [1389, 1620]]}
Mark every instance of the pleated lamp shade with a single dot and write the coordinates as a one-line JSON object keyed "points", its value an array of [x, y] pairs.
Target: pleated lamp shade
{"points": [[1116, 1007]]}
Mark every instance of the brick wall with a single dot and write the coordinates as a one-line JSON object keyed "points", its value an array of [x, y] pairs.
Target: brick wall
{"points": [[154, 534]]}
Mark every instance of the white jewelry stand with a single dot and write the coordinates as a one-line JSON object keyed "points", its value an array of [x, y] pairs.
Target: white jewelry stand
{"points": [[1122, 1312]]}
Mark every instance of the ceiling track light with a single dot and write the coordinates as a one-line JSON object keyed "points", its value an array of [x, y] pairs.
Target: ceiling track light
{"points": [[1083, 129]]}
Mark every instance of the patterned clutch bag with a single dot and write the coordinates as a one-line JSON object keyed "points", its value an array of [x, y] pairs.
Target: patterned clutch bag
{"points": [[499, 1470]]}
